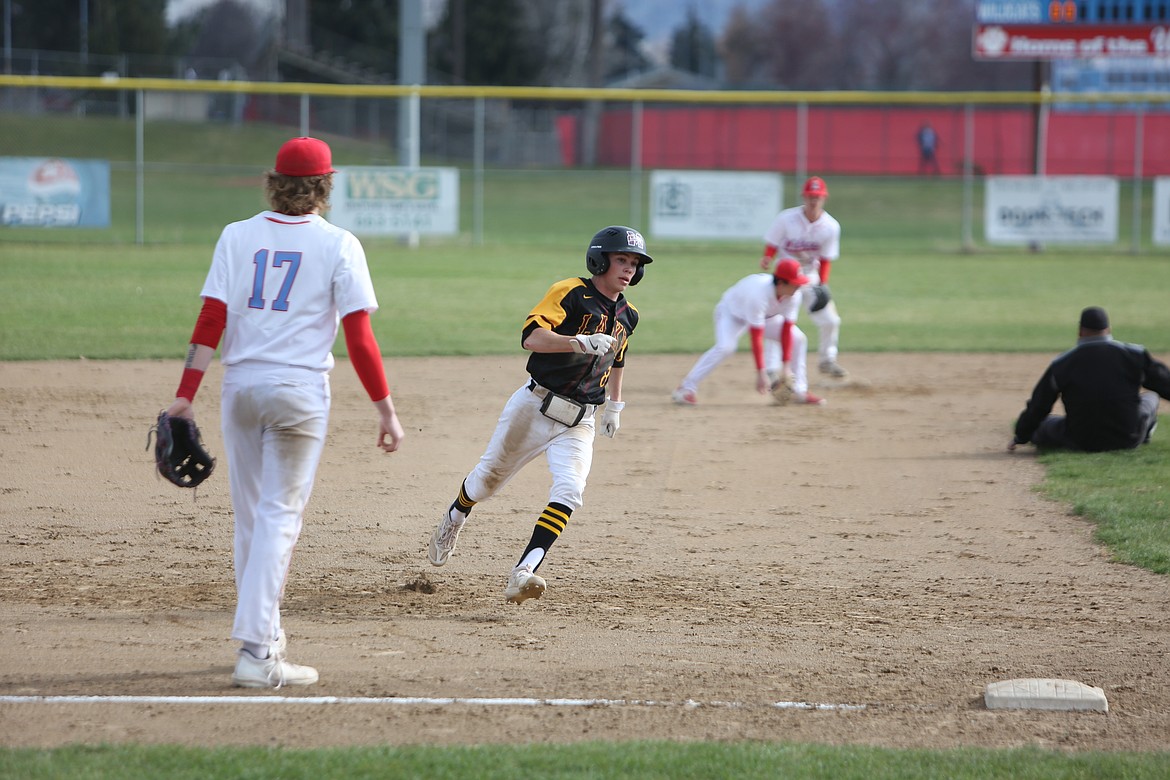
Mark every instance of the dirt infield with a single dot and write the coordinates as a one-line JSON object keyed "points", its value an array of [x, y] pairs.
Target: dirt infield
{"points": [[882, 552]]}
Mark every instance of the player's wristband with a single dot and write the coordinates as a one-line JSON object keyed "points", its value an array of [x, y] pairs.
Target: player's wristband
{"points": [[189, 384]]}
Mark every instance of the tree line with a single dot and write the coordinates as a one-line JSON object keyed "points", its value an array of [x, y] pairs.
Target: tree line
{"points": [[784, 44]]}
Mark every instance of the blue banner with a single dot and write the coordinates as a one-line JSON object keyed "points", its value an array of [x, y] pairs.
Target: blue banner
{"points": [[54, 192]]}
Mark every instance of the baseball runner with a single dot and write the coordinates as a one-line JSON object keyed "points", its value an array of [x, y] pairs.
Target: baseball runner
{"points": [[810, 235], [765, 305], [577, 334], [278, 285]]}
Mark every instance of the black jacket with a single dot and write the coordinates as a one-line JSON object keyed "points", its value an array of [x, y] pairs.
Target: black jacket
{"points": [[1099, 381]]}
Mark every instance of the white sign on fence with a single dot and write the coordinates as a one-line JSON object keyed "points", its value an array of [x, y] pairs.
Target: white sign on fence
{"points": [[1051, 209], [712, 204], [1162, 210], [381, 201]]}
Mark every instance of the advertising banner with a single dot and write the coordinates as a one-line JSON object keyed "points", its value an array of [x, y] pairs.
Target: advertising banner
{"points": [[1071, 41], [711, 204], [54, 192], [381, 201], [1051, 209]]}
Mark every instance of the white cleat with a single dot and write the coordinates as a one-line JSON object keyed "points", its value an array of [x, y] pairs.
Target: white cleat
{"points": [[524, 584], [833, 368], [444, 538], [270, 672]]}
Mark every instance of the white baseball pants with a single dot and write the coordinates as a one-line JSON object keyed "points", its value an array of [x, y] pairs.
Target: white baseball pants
{"points": [[728, 330], [828, 323], [274, 423], [521, 434]]}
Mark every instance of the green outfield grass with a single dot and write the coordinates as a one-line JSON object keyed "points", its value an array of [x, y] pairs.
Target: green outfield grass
{"points": [[902, 284], [102, 301], [583, 761]]}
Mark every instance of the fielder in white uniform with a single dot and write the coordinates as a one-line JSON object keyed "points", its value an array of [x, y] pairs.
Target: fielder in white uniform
{"points": [[279, 285], [766, 306], [810, 235]]}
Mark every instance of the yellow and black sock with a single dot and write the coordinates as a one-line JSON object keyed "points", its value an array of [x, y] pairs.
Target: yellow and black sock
{"points": [[463, 503], [549, 526]]}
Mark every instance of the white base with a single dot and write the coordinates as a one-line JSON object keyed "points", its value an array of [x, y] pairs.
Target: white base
{"points": [[1044, 694]]}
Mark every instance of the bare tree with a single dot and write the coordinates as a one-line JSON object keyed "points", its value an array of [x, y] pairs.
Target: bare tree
{"points": [[863, 44], [561, 33], [230, 30], [799, 44], [742, 49]]}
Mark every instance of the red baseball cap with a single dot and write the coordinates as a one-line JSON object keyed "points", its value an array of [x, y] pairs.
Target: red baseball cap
{"points": [[815, 186], [788, 270], [304, 156]]}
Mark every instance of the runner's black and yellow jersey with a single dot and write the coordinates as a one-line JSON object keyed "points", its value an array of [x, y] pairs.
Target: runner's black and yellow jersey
{"points": [[571, 307]]}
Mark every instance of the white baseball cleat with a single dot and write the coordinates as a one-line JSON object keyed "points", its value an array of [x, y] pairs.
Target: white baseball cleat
{"points": [[523, 584], [833, 368], [684, 397], [444, 538], [270, 672]]}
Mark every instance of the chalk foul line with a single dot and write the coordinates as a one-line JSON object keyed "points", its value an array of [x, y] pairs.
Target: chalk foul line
{"points": [[416, 700]]}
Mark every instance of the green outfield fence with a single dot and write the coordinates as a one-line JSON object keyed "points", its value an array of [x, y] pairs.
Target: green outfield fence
{"points": [[186, 155]]}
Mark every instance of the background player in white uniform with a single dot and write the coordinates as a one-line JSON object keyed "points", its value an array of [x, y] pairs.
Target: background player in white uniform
{"points": [[809, 235], [279, 284], [577, 335], [766, 306]]}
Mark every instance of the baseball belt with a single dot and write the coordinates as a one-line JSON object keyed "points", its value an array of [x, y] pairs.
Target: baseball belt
{"points": [[560, 408]]}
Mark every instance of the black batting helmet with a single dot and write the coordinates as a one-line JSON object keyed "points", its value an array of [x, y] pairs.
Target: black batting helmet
{"points": [[616, 238]]}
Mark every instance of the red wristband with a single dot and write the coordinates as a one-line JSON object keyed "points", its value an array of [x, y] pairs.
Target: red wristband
{"points": [[189, 384]]}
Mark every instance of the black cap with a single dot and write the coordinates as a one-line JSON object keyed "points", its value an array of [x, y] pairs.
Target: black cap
{"points": [[1094, 318]]}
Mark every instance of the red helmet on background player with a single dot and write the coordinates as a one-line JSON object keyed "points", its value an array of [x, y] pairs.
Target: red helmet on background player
{"points": [[616, 238]]}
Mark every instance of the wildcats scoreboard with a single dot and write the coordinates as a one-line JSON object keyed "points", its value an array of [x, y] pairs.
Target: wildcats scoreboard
{"points": [[1031, 30]]}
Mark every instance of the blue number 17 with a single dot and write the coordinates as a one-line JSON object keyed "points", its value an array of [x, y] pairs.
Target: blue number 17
{"points": [[260, 260]]}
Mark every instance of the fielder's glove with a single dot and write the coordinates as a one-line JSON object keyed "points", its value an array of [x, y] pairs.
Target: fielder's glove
{"points": [[782, 390], [179, 454], [821, 295], [609, 420], [592, 343]]}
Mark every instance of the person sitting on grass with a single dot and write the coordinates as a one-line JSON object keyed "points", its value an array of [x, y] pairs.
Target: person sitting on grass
{"points": [[1100, 382]]}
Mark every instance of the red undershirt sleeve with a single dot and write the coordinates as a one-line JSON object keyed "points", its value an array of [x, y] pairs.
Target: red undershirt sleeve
{"points": [[826, 264], [211, 323], [364, 354], [786, 341], [770, 250], [757, 335], [208, 331]]}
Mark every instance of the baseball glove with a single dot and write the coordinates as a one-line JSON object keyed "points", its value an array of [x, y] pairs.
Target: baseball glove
{"points": [[782, 391], [179, 454], [821, 296]]}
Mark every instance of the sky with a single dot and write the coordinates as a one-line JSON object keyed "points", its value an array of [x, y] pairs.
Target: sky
{"points": [[658, 19]]}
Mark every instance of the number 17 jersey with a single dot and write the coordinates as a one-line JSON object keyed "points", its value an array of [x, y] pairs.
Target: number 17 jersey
{"points": [[287, 281]]}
